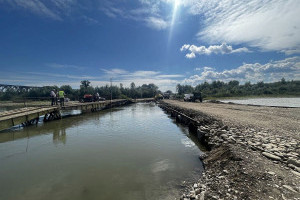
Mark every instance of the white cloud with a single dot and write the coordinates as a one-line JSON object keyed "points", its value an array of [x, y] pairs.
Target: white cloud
{"points": [[290, 52], [288, 68], [64, 66], [170, 76], [157, 23], [114, 72], [147, 12], [35, 6], [163, 81], [43, 75], [216, 49], [267, 24], [53, 9], [142, 73]]}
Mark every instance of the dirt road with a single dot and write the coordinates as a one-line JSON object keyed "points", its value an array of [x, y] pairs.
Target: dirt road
{"points": [[255, 151], [286, 120]]}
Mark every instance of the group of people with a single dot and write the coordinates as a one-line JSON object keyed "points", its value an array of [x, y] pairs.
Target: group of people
{"points": [[55, 95]]}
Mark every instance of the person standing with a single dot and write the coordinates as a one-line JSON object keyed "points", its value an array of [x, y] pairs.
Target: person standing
{"points": [[61, 95], [53, 97], [56, 99]]}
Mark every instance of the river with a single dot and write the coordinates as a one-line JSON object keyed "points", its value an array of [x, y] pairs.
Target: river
{"points": [[282, 102], [132, 152]]}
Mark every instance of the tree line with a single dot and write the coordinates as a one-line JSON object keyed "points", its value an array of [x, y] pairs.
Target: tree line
{"points": [[234, 89], [107, 91], [215, 89]]}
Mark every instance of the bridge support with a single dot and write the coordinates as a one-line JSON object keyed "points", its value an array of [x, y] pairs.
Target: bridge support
{"points": [[52, 116], [30, 122]]}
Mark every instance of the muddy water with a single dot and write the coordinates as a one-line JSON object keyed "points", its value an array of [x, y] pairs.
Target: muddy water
{"points": [[133, 152]]}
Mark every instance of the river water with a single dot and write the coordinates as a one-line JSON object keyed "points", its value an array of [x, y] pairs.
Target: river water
{"points": [[133, 152], [284, 102]]}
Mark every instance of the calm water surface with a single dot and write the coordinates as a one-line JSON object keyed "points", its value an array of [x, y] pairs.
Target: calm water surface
{"points": [[134, 152], [285, 102]]}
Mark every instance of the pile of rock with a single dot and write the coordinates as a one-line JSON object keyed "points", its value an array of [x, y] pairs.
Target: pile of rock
{"points": [[278, 148], [197, 192], [245, 178]]}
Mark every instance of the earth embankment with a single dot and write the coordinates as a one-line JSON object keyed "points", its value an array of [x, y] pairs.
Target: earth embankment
{"points": [[255, 152]]}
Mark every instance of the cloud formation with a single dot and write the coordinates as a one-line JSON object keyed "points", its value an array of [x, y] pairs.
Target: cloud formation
{"points": [[64, 66], [288, 68], [139, 77], [271, 25], [52, 9], [148, 12], [157, 23], [216, 49]]}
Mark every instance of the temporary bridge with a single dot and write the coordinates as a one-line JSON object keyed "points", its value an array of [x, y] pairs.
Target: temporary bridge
{"points": [[30, 115]]}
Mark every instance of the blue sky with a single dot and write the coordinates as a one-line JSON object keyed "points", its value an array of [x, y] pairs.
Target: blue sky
{"points": [[166, 42]]}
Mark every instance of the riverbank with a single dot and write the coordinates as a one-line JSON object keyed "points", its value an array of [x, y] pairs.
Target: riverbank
{"points": [[252, 97], [254, 151]]}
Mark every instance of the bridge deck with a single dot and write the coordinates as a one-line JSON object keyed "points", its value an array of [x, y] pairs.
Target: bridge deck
{"points": [[18, 116]]}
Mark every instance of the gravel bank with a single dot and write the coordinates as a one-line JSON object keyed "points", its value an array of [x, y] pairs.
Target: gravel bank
{"points": [[255, 151]]}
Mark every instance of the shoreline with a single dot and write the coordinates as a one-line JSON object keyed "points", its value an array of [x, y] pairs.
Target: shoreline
{"points": [[247, 160]]}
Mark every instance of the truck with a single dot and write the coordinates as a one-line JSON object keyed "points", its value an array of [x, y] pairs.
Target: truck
{"points": [[92, 98], [193, 97]]}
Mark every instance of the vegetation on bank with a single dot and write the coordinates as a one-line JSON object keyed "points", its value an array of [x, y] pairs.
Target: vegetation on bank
{"points": [[116, 92], [218, 89], [213, 90]]}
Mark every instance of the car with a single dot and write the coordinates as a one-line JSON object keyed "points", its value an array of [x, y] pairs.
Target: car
{"points": [[192, 97], [88, 98]]}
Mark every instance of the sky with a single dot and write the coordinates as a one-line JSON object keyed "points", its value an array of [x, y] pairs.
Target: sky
{"points": [[165, 42]]}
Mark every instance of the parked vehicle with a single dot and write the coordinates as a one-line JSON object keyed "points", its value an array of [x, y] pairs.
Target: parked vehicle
{"points": [[166, 95], [193, 97], [88, 98], [91, 98], [158, 97]]}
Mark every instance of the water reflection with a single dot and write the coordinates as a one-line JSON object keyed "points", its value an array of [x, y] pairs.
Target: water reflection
{"points": [[135, 152], [59, 135], [57, 127]]}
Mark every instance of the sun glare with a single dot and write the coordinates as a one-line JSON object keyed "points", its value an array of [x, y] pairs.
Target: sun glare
{"points": [[176, 4], [175, 8]]}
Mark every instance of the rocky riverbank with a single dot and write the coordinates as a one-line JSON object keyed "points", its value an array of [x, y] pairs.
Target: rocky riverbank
{"points": [[254, 155]]}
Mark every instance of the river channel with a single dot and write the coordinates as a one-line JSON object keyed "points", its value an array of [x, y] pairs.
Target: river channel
{"points": [[132, 152]]}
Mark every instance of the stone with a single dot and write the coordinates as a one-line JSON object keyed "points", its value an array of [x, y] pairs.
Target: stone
{"points": [[224, 136], [203, 186], [225, 127], [197, 191], [271, 156], [271, 173], [296, 173], [202, 195], [202, 156], [293, 162], [289, 188]]}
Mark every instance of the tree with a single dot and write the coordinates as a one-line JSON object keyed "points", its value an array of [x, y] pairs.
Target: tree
{"points": [[67, 89], [132, 86], [85, 83], [233, 83]]}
